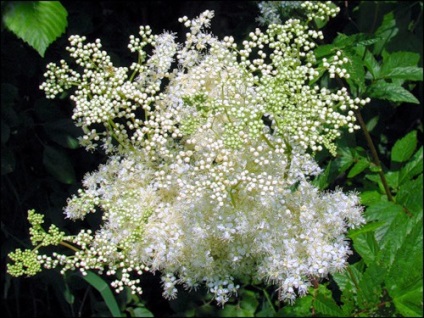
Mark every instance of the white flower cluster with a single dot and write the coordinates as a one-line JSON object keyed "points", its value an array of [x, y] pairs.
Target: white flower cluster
{"points": [[208, 179]]}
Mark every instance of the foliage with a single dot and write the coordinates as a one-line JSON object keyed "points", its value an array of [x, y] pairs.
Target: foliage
{"points": [[384, 277], [38, 23]]}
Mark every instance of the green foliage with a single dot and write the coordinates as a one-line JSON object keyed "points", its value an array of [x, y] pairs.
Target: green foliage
{"points": [[38, 23]]}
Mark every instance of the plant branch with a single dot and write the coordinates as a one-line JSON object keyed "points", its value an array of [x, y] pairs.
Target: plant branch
{"points": [[374, 154]]}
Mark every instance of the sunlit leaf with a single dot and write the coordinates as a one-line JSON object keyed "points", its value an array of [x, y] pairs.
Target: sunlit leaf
{"points": [[38, 23]]}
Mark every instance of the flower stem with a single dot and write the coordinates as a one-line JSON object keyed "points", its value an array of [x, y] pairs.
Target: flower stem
{"points": [[374, 154]]}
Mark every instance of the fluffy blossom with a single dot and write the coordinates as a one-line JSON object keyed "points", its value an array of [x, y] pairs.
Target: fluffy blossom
{"points": [[208, 175]]}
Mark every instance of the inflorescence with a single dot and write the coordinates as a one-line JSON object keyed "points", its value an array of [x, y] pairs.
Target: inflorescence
{"points": [[208, 177]]}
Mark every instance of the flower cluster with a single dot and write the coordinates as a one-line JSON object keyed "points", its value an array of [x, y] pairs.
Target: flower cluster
{"points": [[208, 175]]}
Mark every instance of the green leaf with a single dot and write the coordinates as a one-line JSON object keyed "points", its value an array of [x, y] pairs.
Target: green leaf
{"points": [[38, 23], [248, 301], [325, 305], [370, 197], [405, 280], [358, 167], [391, 92], [404, 148], [410, 195], [364, 241], [372, 123], [142, 312], [386, 31], [64, 132], [346, 158], [408, 73], [302, 308], [58, 165], [369, 61], [412, 168], [398, 59], [370, 285], [349, 278], [103, 288]]}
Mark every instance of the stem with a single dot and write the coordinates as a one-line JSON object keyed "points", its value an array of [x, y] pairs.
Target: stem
{"points": [[269, 300], [66, 244], [374, 154]]}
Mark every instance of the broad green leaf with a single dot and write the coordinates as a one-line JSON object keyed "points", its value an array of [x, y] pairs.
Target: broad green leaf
{"points": [[364, 241], [38, 23], [370, 286], [398, 59], [142, 312], [349, 278], [412, 168], [405, 280], [369, 61], [64, 132], [408, 73], [386, 31], [355, 67], [391, 92], [404, 147], [234, 311], [370, 197], [346, 158], [410, 195], [392, 178], [248, 301], [103, 288], [325, 305], [58, 165], [372, 123], [358, 167], [301, 308]]}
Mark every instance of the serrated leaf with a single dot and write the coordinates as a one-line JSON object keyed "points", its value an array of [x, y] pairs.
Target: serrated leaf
{"points": [[325, 305], [349, 278], [38, 23], [408, 73], [301, 308], [103, 288], [370, 285], [412, 168], [405, 280], [392, 178], [386, 31], [58, 165], [365, 243], [346, 158], [370, 197], [398, 59], [404, 147], [358, 167], [410, 195], [391, 92], [369, 61]]}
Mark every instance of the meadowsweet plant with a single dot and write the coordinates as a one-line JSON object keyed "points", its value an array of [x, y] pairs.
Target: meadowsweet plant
{"points": [[210, 150]]}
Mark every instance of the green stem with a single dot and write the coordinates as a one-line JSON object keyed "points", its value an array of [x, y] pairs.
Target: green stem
{"points": [[66, 244], [374, 154]]}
